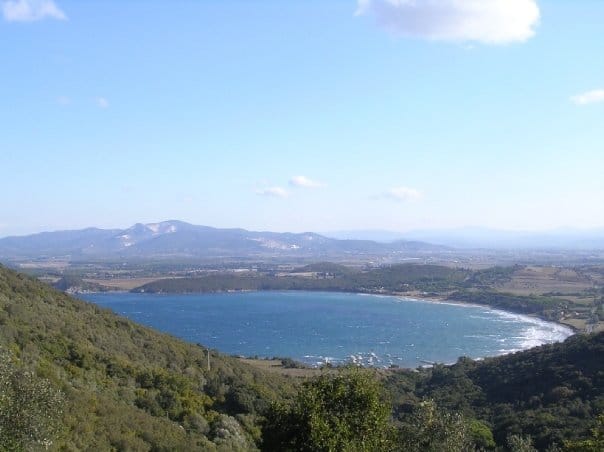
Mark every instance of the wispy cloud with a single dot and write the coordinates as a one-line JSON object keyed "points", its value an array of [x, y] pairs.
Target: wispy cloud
{"points": [[305, 182], [589, 97], [276, 192], [486, 21], [31, 10], [401, 194], [102, 102]]}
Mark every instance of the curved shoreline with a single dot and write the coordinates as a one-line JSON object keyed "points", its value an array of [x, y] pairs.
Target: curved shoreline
{"points": [[531, 318], [535, 332], [571, 328], [420, 297], [465, 303]]}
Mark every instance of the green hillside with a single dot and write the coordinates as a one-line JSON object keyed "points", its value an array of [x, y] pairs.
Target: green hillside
{"points": [[124, 386], [74, 376], [552, 393]]}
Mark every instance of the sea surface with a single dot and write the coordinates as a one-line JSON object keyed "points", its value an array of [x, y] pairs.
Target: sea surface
{"points": [[326, 327]]}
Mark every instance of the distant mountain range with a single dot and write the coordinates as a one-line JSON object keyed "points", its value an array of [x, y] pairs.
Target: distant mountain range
{"points": [[177, 239], [180, 239], [485, 238]]}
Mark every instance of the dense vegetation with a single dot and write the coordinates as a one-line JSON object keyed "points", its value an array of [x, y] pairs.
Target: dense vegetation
{"points": [[403, 277], [548, 398], [74, 376], [26, 401], [345, 412]]}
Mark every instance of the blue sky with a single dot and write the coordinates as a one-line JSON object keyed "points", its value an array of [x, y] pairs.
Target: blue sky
{"points": [[314, 115]]}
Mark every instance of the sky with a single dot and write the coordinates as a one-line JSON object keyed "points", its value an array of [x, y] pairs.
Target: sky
{"points": [[302, 116]]}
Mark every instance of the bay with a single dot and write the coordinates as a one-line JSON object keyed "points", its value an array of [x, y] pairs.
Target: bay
{"points": [[327, 327]]}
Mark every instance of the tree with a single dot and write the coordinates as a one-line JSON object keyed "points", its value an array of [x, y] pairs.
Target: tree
{"points": [[481, 435], [30, 408], [429, 429], [593, 444], [332, 412], [518, 443]]}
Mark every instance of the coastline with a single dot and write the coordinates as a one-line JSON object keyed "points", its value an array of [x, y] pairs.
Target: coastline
{"points": [[432, 299], [405, 297], [401, 295], [465, 303], [536, 332]]}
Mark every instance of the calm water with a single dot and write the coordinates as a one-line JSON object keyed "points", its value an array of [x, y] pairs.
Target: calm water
{"points": [[319, 327]]}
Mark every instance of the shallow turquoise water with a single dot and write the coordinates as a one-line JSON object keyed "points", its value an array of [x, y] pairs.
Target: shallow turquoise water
{"points": [[320, 327]]}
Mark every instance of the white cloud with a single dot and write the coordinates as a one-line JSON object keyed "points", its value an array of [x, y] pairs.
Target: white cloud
{"points": [[305, 182], [276, 192], [401, 194], [487, 21], [589, 97], [31, 10], [102, 102]]}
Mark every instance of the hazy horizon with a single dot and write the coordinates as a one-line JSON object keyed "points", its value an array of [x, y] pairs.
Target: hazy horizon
{"points": [[316, 116], [353, 233]]}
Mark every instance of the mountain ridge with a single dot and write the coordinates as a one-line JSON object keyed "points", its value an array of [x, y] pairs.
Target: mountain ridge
{"points": [[175, 238]]}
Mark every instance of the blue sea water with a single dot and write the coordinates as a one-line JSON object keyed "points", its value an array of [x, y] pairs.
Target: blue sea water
{"points": [[322, 327]]}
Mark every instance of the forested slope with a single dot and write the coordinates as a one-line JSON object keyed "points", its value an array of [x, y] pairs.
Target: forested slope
{"points": [[552, 393], [125, 386]]}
